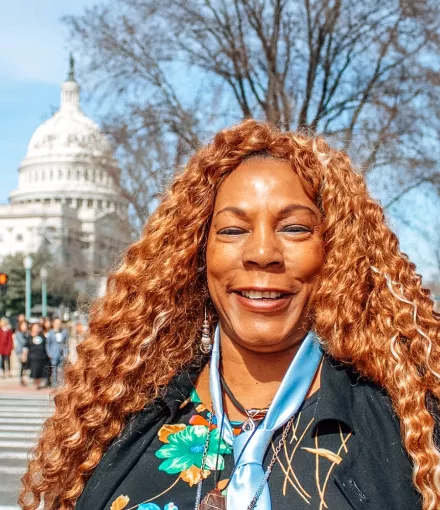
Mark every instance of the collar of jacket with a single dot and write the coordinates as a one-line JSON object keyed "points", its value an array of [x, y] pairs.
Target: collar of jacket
{"points": [[335, 403], [180, 386], [335, 400]]}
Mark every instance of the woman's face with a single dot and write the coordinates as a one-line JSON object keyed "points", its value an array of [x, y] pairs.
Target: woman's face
{"points": [[23, 326], [264, 253], [36, 329]]}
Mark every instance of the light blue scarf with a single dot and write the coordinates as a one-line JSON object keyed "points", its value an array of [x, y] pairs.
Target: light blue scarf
{"points": [[250, 447]]}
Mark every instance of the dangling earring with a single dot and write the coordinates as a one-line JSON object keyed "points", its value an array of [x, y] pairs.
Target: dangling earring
{"points": [[206, 339]]}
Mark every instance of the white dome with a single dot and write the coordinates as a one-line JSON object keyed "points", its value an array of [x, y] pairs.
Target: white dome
{"points": [[68, 132], [69, 160]]}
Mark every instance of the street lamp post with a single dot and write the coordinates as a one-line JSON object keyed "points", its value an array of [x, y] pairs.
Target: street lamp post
{"points": [[43, 276], [27, 262]]}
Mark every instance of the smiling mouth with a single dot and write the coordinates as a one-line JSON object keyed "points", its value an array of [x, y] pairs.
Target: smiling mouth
{"points": [[254, 294]]}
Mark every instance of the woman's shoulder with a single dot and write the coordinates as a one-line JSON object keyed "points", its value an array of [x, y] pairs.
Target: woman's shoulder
{"points": [[369, 405], [360, 398]]}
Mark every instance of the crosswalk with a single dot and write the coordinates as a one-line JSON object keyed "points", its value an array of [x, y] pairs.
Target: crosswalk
{"points": [[21, 417]]}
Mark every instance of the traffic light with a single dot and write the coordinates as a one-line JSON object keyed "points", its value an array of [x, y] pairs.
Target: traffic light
{"points": [[3, 283]]}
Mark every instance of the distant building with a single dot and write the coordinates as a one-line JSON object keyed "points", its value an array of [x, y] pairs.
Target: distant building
{"points": [[68, 198]]}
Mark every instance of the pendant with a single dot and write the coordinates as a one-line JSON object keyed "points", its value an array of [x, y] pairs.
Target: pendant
{"points": [[248, 425], [214, 500]]}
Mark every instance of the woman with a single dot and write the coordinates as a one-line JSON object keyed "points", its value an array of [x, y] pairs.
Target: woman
{"points": [[47, 325], [34, 353], [6, 345], [57, 349], [21, 339], [322, 386]]}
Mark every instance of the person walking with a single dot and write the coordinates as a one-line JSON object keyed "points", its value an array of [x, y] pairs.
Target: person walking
{"points": [[20, 318], [34, 352], [57, 349], [5, 346], [21, 338], [47, 325]]}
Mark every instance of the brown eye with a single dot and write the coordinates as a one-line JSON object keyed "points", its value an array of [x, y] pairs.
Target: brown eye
{"points": [[231, 231], [296, 229]]}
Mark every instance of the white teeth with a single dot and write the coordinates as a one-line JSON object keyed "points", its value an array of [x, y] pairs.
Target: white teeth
{"points": [[254, 294]]}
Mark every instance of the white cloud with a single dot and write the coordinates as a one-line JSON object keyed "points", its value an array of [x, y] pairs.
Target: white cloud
{"points": [[33, 43]]}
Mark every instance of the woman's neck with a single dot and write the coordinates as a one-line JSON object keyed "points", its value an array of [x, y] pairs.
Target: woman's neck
{"points": [[253, 377]]}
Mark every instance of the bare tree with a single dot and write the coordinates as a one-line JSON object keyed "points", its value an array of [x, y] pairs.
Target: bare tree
{"points": [[170, 73], [423, 225]]}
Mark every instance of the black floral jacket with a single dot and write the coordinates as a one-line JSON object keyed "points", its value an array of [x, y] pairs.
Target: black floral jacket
{"points": [[376, 473]]}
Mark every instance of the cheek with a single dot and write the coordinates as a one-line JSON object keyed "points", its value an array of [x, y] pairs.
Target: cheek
{"points": [[215, 265], [220, 258], [308, 262]]}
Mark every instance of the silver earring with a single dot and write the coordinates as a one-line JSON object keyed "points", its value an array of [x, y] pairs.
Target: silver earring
{"points": [[206, 339]]}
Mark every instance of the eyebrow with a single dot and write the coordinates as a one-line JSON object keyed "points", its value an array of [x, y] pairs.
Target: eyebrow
{"points": [[285, 211]]}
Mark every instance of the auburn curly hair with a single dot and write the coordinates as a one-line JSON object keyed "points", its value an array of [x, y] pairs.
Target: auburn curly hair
{"points": [[369, 310]]}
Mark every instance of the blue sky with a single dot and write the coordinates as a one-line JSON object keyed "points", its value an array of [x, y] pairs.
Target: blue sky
{"points": [[33, 63], [34, 54]]}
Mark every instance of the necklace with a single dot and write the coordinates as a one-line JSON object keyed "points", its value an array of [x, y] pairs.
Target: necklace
{"points": [[254, 414], [215, 500]]}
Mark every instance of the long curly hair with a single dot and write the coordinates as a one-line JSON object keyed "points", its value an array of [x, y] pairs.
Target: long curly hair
{"points": [[370, 311]]}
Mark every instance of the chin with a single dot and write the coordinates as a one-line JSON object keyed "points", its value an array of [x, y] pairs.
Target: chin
{"points": [[270, 334], [263, 341]]}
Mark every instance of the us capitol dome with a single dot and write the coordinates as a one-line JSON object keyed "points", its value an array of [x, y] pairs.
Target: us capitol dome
{"points": [[68, 200]]}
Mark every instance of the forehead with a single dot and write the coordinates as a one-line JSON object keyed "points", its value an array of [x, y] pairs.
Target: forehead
{"points": [[260, 181]]}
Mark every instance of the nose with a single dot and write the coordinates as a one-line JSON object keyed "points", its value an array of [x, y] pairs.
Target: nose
{"points": [[263, 250]]}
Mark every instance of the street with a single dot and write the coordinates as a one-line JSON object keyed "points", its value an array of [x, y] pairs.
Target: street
{"points": [[21, 416]]}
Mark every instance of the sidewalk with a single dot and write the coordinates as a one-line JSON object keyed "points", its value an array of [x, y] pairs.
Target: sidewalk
{"points": [[12, 386]]}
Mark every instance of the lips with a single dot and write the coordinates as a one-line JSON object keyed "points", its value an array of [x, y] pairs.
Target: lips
{"points": [[262, 300], [255, 294], [262, 292]]}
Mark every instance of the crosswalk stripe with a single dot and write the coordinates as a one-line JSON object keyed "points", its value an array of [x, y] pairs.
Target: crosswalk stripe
{"points": [[38, 416], [13, 470], [24, 396], [21, 403], [17, 444], [20, 428], [21, 420], [13, 455], [19, 434], [34, 409]]}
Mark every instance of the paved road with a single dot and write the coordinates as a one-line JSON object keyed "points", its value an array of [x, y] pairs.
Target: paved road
{"points": [[21, 416]]}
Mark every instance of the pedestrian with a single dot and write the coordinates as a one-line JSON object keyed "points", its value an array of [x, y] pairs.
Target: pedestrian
{"points": [[34, 352], [6, 345], [57, 349], [264, 345], [79, 334], [21, 338], [20, 318], [47, 325]]}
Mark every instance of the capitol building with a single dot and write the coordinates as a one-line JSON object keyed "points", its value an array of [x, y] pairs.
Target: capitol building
{"points": [[68, 200]]}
